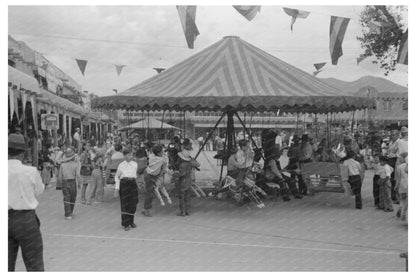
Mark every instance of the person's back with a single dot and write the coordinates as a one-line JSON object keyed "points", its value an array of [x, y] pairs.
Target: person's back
{"points": [[24, 184]]}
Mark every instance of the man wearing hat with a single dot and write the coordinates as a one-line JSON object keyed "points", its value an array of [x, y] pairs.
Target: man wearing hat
{"points": [[295, 154], [69, 174], [25, 184], [183, 185], [77, 140]]}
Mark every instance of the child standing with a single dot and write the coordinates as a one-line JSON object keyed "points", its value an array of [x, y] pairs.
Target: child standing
{"points": [[95, 189], [68, 174], [354, 177], [386, 170], [185, 164], [86, 170], [376, 178], [152, 175]]}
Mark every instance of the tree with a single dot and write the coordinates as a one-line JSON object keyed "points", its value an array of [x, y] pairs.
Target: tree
{"points": [[383, 27]]}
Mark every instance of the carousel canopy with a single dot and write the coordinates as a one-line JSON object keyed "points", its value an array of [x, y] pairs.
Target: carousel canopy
{"points": [[233, 74], [148, 123]]}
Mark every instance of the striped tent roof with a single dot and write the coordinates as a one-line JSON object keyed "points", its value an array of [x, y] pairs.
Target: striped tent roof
{"points": [[233, 74]]}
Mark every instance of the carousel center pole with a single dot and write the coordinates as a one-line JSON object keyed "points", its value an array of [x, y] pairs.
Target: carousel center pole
{"points": [[210, 134]]}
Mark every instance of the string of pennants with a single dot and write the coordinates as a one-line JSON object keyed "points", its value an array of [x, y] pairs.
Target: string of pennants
{"points": [[337, 29]]}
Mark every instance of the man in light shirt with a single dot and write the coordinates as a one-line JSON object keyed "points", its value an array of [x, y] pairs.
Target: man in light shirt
{"points": [[25, 184], [126, 187], [279, 140], [77, 139]]}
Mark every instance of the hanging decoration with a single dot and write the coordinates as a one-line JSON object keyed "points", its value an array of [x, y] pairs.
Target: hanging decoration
{"points": [[361, 58], [11, 103], [187, 16], [249, 12], [318, 67], [34, 113], [24, 99], [378, 28], [119, 68], [337, 29], [402, 56], [294, 13], [82, 64], [16, 103], [158, 69], [316, 72]]}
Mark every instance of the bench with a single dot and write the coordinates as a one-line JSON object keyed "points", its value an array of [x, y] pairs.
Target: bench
{"points": [[326, 177]]}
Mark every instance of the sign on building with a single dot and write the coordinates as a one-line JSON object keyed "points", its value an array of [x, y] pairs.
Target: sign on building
{"points": [[50, 122]]}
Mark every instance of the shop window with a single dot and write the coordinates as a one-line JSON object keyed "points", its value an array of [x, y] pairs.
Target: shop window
{"points": [[405, 105], [387, 105]]}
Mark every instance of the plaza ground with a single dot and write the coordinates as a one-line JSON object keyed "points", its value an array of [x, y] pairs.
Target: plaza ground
{"points": [[323, 232]]}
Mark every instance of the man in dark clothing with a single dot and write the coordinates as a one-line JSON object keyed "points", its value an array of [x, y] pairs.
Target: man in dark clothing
{"points": [[25, 184], [294, 154]]}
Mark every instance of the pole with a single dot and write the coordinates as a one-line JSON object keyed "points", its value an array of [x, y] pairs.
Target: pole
{"points": [[297, 123], [184, 124], [352, 122], [209, 135]]}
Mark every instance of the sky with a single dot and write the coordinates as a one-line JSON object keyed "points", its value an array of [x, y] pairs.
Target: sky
{"points": [[144, 37]]}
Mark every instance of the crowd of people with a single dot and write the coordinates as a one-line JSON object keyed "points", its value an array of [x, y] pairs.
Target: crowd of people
{"points": [[141, 167]]}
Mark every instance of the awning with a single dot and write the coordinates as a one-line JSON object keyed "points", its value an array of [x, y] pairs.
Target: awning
{"points": [[233, 74], [61, 102], [23, 81]]}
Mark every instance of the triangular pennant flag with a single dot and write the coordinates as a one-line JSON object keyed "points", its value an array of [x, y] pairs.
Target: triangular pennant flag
{"points": [[187, 16], [295, 14], [82, 64], [16, 104], [319, 65], [316, 72], [158, 69], [361, 58], [116, 91], [24, 99], [374, 28], [11, 103], [337, 30], [34, 113], [402, 56], [119, 68], [249, 12]]}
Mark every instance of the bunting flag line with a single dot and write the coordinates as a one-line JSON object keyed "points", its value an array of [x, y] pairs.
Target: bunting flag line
{"points": [[361, 58], [119, 68], [316, 72], [82, 64], [337, 30], [11, 102], [249, 12], [402, 56], [187, 16], [319, 65], [158, 69], [295, 14]]}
